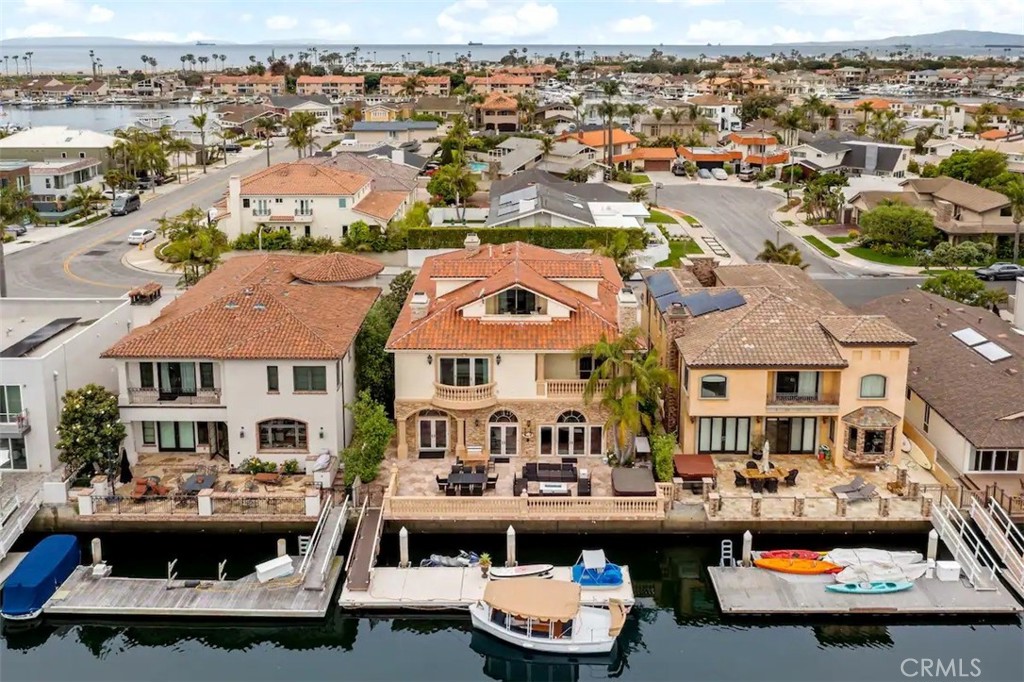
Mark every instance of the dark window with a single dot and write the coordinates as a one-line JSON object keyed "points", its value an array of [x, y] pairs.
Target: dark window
{"points": [[545, 440], [177, 436], [996, 460], [205, 375], [464, 371], [203, 433], [245, 203], [571, 417], [516, 302], [713, 386], [874, 442], [146, 375], [283, 434], [310, 378], [587, 367], [851, 438], [272, 384], [149, 433], [927, 416]]}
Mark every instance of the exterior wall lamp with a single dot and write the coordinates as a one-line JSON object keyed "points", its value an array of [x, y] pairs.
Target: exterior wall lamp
{"points": [[241, 432], [430, 359], [321, 433], [498, 359]]}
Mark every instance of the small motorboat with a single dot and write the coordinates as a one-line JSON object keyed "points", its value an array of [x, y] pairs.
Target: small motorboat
{"points": [[789, 554], [798, 566], [38, 576], [870, 588], [546, 615], [527, 571], [461, 561], [592, 570]]}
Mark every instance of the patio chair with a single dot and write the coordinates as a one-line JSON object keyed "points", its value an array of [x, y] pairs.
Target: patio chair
{"points": [[451, 491], [741, 480], [476, 490], [518, 485], [492, 482], [583, 489], [751, 464], [863, 493], [757, 485], [856, 484], [481, 468], [771, 485], [442, 483], [791, 477]]}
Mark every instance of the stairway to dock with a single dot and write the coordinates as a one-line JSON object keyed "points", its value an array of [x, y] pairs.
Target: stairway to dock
{"points": [[365, 547]]}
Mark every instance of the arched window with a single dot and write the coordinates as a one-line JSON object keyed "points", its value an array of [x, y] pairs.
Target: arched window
{"points": [[713, 386], [503, 417], [872, 386], [283, 434], [571, 417]]}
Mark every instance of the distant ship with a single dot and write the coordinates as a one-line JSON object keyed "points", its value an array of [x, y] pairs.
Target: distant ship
{"points": [[471, 43], [202, 43]]}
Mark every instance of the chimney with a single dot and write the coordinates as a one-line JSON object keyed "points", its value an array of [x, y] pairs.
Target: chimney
{"points": [[397, 156], [629, 310], [472, 242], [1018, 304], [419, 304]]}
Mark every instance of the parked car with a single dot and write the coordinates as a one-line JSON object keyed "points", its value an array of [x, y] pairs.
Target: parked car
{"points": [[16, 230], [1000, 271], [264, 144], [719, 174], [678, 170], [124, 204], [746, 175], [233, 147], [141, 236], [704, 174]]}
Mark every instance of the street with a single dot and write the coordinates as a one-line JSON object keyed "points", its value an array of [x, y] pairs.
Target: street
{"points": [[88, 262]]}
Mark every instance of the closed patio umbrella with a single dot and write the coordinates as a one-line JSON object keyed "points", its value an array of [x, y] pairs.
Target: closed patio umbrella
{"points": [[765, 467], [125, 468]]}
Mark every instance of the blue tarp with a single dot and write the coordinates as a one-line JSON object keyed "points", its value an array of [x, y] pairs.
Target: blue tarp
{"points": [[39, 575]]}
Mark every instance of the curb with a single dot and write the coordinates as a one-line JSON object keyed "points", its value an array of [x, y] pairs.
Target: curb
{"points": [[125, 261]]}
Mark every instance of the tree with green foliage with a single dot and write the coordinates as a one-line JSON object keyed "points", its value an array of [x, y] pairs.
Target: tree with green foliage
{"points": [[15, 209], [787, 254], [85, 197], [753, 107], [898, 226], [453, 183], [194, 245], [360, 236], [823, 197], [90, 430], [620, 250], [370, 438], [638, 194], [964, 287], [974, 166], [1015, 193], [663, 447], [375, 367], [577, 175], [199, 122]]}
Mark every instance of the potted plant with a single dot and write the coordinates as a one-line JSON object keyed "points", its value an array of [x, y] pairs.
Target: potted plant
{"points": [[485, 564]]}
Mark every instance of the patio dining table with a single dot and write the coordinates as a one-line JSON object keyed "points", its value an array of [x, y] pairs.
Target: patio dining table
{"points": [[772, 473], [196, 482], [464, 479]]}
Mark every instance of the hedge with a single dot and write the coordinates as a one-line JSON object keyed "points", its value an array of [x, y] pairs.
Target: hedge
{"points": [[548, 237]]}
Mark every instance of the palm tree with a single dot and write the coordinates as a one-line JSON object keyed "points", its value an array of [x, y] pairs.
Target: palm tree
{"points": [[577, 106], [1015, 193], [946, 104], [203, 60], [412, 85], [92, 60], [223, 58], [866, 108], [526, 106], [658, 114], [85, 197], [638, 194], [787, 254], [577, 175], [619, 250], [199, 123], [145, 60], [28, 58], [16, 58], [264, 127], [608, 109], [179, 146], [547, 145]]}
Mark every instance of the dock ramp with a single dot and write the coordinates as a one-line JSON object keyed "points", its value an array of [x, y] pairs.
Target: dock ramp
{"points": [[15, 515], [979, 566], [323, 544], [365, 547], [1004, 538]]}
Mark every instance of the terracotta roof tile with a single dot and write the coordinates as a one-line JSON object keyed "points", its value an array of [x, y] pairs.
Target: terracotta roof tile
{"points": [[330, 80], [334, 268], [864, 329], [304, 179], [381, 205], [599, 138]]}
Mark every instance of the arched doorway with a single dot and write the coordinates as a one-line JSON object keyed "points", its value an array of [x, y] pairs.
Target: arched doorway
{"points": [[503, 434], [432, 434]]}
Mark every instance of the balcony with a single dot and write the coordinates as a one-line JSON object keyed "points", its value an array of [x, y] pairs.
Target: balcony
{"points": [[818, 403], [569, 388], [14, 424], [298, 217], [464, 397], [154, 396]]}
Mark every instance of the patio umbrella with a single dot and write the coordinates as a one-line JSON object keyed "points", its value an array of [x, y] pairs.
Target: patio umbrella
{"points": [[765, 467], [125, 473]]}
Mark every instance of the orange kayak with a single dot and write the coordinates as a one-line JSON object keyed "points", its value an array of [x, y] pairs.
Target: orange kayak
{"points": [[798, 566]]}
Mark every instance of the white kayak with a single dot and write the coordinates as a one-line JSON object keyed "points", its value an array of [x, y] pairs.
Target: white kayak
{"points": [[881, 572], [525, 571]]}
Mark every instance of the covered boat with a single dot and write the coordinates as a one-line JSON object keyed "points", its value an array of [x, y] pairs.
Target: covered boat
{"points": [[38, 576], [592, 570], [798, 566], [546, 615]]}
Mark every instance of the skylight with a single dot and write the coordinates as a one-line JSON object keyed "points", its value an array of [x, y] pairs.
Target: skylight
{"points": [[992, 352], [969, 337]]}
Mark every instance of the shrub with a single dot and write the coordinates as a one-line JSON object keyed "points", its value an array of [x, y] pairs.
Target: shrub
{"points": [[373, 432], [898, 227], [663, 445], [290, 466], [278, 240], [947, 255], [548, 237], [624, 176], [929, 170], [254, 465], [913, 166], [853, 234], [314, 244]]}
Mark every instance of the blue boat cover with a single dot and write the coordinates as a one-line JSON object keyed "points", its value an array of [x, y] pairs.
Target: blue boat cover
{"points": [[593, 570], [39, 574]]}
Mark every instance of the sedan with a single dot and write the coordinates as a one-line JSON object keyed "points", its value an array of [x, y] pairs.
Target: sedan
{"points": [[704, 174], [141, 236], [1000, 271], [264, 144], [719, 174]]}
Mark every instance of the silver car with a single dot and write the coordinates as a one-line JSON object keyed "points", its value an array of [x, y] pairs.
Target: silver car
{"points": [[141, 236]]}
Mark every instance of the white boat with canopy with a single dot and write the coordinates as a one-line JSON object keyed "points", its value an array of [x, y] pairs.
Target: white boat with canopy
{"points": [[546, 615]]}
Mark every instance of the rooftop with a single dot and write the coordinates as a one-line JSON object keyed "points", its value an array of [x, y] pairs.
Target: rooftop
{"points": [[306, 179], [34, 327], [57, 137]]}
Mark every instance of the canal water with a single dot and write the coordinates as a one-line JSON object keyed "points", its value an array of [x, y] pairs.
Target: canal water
{"points": [[674, 633], [103, 119]]}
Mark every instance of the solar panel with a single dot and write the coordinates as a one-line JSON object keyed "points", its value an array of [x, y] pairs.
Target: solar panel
{"points": [[660, 283], [699, 304], [668, 300], [727, 300], [992, 352], [969, 337], [38, 337]]}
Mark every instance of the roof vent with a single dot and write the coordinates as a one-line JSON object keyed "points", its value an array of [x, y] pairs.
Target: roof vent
{"points": [[247, 291], [230, 305], [419, 304], [259, 306], [471, 243]]}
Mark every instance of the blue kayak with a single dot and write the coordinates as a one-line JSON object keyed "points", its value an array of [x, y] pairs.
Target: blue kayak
{"points": [[869, 588], [38, 576]]}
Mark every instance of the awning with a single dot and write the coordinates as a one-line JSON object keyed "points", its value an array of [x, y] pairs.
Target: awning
{"points": [[551, 600]]}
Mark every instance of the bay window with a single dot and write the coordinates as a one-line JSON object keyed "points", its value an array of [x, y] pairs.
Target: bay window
{"points": [[283, 434]]}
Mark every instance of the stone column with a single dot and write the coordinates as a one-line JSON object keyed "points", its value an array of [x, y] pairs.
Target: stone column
{"points": [[205, 501], [755, 504], [841, 502], [312, 502], [926, 505], [542, 390], [460, 441], [403, 446], [714, 504], [706, 486], [902, 477], [798, 505], [883, 507], [85, 502]]}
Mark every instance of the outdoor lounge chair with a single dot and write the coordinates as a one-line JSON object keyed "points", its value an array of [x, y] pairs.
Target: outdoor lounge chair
{"points": [[791, 477], [518, 485], [741, 480], [863, 493], [583, 489], [450, 491], [492, 482], [856, 484], [751, 464]]}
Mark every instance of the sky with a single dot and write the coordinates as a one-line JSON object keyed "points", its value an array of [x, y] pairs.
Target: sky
{"points": [[526, 22]]}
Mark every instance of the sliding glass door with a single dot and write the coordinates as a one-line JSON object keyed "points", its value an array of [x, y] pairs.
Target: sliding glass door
{"points": [[791, 435]]}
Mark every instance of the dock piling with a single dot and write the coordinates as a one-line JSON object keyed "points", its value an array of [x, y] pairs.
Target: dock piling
{"points": [[933, 544], [403, 548], [510, 547], [97, 551], [748, 547], [282, 546]]}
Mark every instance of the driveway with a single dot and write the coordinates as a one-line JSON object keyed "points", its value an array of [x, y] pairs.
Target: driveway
{"points": [[738, 217], [88, 262]]}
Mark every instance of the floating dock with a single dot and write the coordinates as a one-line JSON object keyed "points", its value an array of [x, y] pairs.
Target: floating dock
{"points": [[758, 592], [444, 588]]}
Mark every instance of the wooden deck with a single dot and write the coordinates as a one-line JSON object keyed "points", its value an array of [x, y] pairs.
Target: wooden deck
{"points": [[755, 591], [84, 595], [450, 589], [364, 550]]}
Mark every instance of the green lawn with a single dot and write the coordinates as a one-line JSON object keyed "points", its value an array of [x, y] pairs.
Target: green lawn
{"points": [[677, 249], [821, 246], [839, 240], [787, 223], [875, 257], [660, 218], [640, 179], [690, 219]]}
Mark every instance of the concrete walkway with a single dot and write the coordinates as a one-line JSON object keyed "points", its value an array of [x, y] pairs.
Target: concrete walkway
{"points": [[145, 259], [700, 236]]}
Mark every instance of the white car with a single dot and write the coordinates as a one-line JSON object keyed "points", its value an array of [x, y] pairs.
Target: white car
{"points": [[719, 174], [264, 144], [141, 236]]}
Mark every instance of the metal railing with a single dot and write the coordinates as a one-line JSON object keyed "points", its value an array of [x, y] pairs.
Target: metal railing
{"points": [[375, 549], [326, 502], [145, 396], [1004, 538], [183, 505], [787, 398], [355, 537], [14, 422], [339, 528], [970, 552]]}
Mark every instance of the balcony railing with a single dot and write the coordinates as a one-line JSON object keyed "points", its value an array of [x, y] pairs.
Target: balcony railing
{"points": [[465, 397], [14, 423], [155, 396], [570, 388], [782, 400]]}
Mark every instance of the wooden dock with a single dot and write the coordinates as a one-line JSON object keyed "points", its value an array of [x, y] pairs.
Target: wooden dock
{"points": [[448, 589], [757, 592]]}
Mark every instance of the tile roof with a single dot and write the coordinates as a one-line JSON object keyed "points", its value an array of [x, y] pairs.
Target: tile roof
{"points": [[334, 268], [651, 154], [495, 268], [499, 79], [381, 205], [249, 80], [970, 196], [385, 175], [331, 80], [982, 400], [852, 330], [497, 101], [710, 154], [425, 80], [251, 307], [747, 138], [305, 179], [599, 138]]}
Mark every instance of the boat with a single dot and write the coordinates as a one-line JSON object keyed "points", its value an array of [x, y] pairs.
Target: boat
{"points": [[527, 571], [506, 662], [798, 566], [546, 615], [38, 576], [473, 44], [204, 43], [870, 588], [789, 554], [592, 570], [868, 555]]}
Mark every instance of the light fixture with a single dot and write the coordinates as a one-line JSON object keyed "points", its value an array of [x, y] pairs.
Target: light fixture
{"points": [[498, 359], [241, 432], [321, 433], [476, 422], [430, 359]]}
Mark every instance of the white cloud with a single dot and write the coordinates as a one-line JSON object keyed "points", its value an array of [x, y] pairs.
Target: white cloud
{"points": [[68, 10], [42, 29], [325, 29], [736, 32], [504, 20], [637, 24], [281, 22], [167, 36], [99, 15], [415, 33]]}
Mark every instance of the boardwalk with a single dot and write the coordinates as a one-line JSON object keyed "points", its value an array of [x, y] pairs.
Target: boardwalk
{"points": [[364, 550], [755, 591]]}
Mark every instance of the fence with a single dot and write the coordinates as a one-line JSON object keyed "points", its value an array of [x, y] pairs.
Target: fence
{"points": [[220, 504], [726, 506], [526, 508], [181, 505]]}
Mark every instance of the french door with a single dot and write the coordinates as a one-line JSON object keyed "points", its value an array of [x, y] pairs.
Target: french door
{"points": [[433, 436], [504, 439]]}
